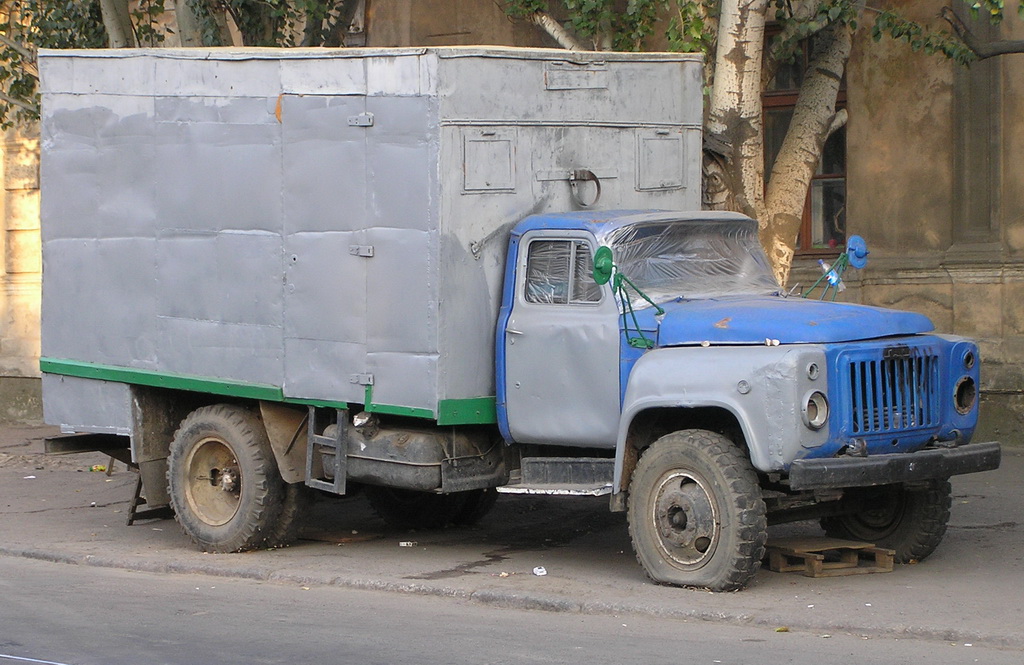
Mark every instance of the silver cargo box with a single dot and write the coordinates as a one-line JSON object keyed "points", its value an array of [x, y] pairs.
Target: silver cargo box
{"points": [[323, 226]]}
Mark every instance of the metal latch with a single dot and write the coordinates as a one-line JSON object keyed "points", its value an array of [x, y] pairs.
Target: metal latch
{"points": [[360, 250], [361, 120], [361, 379]]}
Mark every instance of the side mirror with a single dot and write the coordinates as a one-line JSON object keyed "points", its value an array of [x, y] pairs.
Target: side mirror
{"points": [[603, 265]]}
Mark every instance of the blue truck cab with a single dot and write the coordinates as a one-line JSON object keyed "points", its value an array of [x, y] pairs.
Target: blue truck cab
{"points": [[723, 401]]}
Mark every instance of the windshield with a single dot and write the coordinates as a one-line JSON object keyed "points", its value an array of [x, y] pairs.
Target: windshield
{"points": [[690, 259]]}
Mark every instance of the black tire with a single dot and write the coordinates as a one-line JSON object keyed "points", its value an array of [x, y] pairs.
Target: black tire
{"points": [[410, 509], [223, 480], [295, 504], [911, 521], [476, 505], [696, 516]]}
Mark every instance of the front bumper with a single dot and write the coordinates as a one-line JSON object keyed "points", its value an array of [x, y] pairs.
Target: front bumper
{"points": [[839, 472]]}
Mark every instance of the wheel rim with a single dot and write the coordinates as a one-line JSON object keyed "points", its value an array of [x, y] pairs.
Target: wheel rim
{"points": [[213, 482], [685, 518], [880, 517]]}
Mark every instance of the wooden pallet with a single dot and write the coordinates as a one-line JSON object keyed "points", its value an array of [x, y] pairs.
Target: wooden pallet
{"points": [[827, 557]]}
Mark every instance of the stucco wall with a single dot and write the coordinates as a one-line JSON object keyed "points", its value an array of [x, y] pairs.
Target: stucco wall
{"points": [[447, 23], [20, 272], [20, 275]]}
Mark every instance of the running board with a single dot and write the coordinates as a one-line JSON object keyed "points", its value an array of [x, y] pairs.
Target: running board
{"points": [[562, 476], [557, 490]]}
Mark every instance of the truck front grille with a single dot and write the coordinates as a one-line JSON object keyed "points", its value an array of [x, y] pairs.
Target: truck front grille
{"points": [[895, 392]]}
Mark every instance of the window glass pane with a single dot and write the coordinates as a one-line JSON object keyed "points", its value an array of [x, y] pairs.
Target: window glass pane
{"points": [[776, 124], [584, 288], [547, 271], [828, 213], [788, 76], [833, 155]]}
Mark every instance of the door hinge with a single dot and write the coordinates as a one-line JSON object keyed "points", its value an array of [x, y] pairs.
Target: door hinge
{"points": [[360, 250], [361, 379]]}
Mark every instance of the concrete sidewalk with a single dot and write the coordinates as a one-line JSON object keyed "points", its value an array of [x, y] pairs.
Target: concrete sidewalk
{"points": [[969, 592]]}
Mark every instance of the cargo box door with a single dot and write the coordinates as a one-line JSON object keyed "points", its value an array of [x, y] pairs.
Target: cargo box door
{"points": [[326, 249]]}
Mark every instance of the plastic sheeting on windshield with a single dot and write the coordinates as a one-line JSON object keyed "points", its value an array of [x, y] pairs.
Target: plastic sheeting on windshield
{"points": [[688, 259]]}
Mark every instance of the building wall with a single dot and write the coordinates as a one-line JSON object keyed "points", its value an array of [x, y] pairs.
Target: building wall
{"points": [[447, 23], [20, 272]]}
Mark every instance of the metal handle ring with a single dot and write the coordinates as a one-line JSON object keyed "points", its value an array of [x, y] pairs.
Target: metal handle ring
{"points": [[583, 175]]}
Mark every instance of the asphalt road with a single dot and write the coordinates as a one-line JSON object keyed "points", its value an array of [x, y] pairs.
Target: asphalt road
{"points": [[77, 615]]}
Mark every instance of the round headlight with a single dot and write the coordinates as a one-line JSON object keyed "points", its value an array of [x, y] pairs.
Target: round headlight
{"points": [[966, 394], [816, 410]]}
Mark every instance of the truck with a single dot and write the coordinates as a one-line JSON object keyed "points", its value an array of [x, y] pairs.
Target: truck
{"points": [[437, 274]]}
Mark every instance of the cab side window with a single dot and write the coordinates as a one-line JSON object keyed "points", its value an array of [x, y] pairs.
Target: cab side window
{"points": [[558, 272]]}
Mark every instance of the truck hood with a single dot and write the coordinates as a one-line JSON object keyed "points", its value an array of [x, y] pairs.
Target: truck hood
{"points": [[751, 320]]}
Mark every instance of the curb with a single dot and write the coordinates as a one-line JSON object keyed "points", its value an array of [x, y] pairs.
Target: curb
{"points": [[520, 600]]}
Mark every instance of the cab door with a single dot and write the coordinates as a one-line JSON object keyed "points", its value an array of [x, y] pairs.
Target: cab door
{"points": [[561, 346]]}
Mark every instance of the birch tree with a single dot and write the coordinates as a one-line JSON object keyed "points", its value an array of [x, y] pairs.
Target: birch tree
{"points": [[741, 61]]}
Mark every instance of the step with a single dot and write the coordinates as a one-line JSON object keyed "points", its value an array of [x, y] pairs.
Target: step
{"points": [[567, 470], [548, 489]]}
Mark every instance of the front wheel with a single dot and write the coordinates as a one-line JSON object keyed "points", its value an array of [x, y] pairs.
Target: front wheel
{"points": [[696, 516], [910, 521], [223, 480]]}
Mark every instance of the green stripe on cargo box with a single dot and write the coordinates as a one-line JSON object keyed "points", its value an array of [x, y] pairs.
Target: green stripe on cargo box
{"points": [[145, 377], [388, 409], [471, 411]]}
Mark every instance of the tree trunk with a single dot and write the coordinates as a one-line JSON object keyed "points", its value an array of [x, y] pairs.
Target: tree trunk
{"points": [[814, 118], [190, 26], [555, 30], [735, 115], [118, 23], [201, 24]]}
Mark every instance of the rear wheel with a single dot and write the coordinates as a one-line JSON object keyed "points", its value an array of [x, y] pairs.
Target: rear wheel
{"points": [[695, 512], [911, 521], [296, 502], [476, 505], [411, 509], [223, 480]]}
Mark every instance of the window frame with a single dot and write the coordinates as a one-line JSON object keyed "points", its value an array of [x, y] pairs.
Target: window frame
{"points": [[785, 99]]}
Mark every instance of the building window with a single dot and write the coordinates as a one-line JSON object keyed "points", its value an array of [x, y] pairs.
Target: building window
{"points": [[824, 215]]}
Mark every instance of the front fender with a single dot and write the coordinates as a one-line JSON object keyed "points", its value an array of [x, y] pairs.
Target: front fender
{"points": [[763, 387]]}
